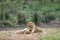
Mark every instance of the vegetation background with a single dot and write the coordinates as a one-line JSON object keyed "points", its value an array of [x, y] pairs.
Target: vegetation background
{"points": [[17, 12]]}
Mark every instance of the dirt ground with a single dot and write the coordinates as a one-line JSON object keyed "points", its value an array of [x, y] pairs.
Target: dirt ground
{"points": [[11, 35]]}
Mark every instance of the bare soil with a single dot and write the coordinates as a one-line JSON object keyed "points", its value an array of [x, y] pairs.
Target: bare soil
{"points": [[11, 35]]}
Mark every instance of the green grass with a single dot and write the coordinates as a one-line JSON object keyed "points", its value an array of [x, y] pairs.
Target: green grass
{"points": [[54, 36]]}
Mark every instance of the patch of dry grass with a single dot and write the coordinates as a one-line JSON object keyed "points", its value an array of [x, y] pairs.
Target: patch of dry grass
{"points": [[10, 35]]}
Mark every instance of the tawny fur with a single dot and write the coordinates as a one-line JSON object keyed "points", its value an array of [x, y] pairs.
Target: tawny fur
{"points": [[31, 28]]}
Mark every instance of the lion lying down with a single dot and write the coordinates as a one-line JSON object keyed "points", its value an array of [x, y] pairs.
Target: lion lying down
{"points": [[31, 28]]}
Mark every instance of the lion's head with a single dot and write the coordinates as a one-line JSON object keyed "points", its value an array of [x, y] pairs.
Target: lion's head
{"points": [[30, 24]]}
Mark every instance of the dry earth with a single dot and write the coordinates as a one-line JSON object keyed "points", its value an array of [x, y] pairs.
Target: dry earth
{"points": [[10, 35]]}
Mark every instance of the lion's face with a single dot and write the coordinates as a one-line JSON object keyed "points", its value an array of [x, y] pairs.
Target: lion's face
{"points": [[30, 24]]}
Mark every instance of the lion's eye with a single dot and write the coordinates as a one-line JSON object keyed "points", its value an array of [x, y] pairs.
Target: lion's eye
{"points": [[28, 26]]}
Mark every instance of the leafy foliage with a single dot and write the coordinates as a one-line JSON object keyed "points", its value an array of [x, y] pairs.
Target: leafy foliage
{"points": [[22, 11]]}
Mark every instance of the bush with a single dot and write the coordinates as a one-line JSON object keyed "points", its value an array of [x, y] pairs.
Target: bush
{"points": [[21, 11], [6, 24]]}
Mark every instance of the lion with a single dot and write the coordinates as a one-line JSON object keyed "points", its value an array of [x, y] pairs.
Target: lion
{"points": [[31, 28]]}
